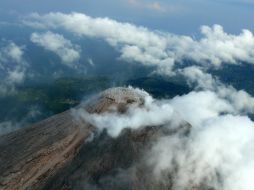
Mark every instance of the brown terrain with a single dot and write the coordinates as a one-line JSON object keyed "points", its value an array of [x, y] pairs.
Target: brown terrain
{"points": [[58, 153]]}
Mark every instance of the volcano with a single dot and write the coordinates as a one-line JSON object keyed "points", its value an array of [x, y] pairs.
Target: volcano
{"points": [[67, 152]]}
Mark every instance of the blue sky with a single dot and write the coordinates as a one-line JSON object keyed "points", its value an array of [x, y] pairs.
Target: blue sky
{"points": [[176, 16]]}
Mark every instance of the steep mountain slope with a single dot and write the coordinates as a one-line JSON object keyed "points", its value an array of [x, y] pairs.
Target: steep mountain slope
{"points": [[66, 152]]}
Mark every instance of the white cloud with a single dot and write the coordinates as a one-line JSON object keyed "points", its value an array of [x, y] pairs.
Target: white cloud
{"points": [[152, 113], [12, 125], [155, 6], [240, 100], [217, 152], [56, 43], [11, 52], [15, 52], [196, 107], [12, 67], [91, 62], [216, 155], [16, 76], [152, 47], [126, 36], [8, 126]]}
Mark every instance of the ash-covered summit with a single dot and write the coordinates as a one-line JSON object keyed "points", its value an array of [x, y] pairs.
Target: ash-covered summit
{"points": [[68, 152]]}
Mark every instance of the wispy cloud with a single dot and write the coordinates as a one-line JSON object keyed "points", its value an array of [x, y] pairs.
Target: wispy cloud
{"points": [[139, 44], [12, 67], [12, 125], [157, 6], [56, 43]]}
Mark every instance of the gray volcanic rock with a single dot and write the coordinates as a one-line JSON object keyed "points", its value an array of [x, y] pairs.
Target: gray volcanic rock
{"points": [[114, 97], [56, 154]]}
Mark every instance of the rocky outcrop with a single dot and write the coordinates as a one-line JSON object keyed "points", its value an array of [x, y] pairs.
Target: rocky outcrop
{"points": [[56, 153]]}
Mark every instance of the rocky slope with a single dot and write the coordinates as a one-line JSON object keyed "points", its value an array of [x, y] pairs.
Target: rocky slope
{"points": [[57, 153]]}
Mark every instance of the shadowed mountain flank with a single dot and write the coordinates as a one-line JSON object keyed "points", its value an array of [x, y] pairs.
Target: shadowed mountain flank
{"points": [[68, 152]]}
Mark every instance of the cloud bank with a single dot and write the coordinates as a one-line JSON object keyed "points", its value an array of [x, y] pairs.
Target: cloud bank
{"points": [[241, 101], [216, 153], [161, 49], [56, 43]]}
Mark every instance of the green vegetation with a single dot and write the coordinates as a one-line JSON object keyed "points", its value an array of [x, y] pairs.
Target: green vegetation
{"points": [[160, 87], [50, 98], [37, 100]]}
